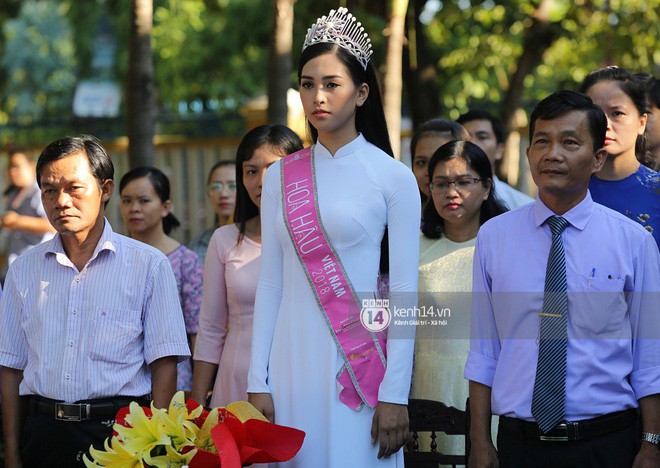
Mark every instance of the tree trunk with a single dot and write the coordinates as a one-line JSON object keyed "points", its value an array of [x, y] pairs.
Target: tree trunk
{"points": [[393, 73], [141, 102], [420, 76], [279, 61], [538, 38]]}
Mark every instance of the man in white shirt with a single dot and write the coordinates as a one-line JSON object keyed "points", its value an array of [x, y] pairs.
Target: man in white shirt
{"points": [[487, 133], [90, 319]]}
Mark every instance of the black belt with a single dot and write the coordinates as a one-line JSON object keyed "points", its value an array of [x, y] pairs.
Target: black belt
{"points": [[571, 431], [83, 410]]}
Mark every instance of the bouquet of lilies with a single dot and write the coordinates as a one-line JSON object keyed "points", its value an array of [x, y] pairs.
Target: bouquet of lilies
{"points": [[186, 434]]}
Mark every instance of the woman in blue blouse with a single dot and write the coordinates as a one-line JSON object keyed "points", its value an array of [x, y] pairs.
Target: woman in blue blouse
{"points": [[623, 184]]}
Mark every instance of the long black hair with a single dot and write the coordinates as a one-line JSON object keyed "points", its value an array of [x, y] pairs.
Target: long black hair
{"points": [[632, 87], [278, 137], [161, 185], [433, 224], [369, 117]]}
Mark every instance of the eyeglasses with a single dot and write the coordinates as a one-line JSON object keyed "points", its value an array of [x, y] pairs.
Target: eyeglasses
{"points": [[460, 184], [218, 187]]}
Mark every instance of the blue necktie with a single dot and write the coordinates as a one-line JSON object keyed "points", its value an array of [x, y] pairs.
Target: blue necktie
{"points": [[549, 396]]}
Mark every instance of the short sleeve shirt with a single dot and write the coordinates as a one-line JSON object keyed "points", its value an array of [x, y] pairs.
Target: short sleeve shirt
{"points": [[91, 333]]}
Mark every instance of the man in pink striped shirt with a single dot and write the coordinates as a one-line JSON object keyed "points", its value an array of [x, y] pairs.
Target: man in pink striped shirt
{"points": [[90, 320]]}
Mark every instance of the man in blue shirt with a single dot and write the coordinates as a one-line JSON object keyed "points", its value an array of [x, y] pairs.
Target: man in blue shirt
{"points": [[565, 339]]}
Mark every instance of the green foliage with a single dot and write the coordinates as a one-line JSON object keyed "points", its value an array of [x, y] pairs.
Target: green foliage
{"points": [[211, 56], [84, 18], [39, 60], [476, 45]]}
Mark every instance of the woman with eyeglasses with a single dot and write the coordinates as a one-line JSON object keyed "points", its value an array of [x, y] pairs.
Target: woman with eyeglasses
{"points": [[462, 199], [231, 271], [221, 190]]}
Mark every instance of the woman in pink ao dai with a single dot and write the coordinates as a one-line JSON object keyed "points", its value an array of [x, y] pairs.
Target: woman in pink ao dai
{"points": [[231, 272]]}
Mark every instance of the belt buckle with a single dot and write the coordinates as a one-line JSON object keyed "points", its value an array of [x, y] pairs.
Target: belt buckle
{"points": [[570, 429], [72, 412]]}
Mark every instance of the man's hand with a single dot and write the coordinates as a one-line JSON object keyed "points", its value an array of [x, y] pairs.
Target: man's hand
{"points": [[389, 427], [10, 220], [648, 456], [32, 224], [482, 451], [483, 455], [12, 414], [264, 403]]}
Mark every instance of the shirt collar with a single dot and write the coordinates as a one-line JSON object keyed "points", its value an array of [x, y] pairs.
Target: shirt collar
{"points": [[106, 242], [349, 148], [578, 216]]}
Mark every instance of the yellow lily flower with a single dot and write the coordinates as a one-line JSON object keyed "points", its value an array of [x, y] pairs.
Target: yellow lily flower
{"points": [[145, 433], [203, 440], [172, 458], [114, 456], [177, 422], [244, 411], [167, 431], [178, 407], [180, 432]]}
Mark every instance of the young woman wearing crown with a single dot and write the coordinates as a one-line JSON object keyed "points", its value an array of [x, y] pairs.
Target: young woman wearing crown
{"points": [[325, 211]]}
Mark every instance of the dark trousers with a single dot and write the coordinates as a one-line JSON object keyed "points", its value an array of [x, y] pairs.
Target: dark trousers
{"points": [[615, 450], [48, 442]]}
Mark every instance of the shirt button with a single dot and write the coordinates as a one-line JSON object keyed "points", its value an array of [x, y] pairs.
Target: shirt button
{"points": [[75, 311], [68, 376], [70, 343], [77, 279]]}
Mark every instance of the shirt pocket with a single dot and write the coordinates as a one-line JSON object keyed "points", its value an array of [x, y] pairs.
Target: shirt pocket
{"points": [[115, 333], [598, 306]]}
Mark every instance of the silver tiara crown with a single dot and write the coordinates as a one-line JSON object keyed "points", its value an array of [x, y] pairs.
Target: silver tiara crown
{"points": [[341, 28]]}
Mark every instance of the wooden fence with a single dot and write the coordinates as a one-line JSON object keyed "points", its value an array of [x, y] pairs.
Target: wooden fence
{"points": [[187, 163]]}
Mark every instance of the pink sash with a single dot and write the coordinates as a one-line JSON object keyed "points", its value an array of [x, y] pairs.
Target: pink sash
{"points": [[363, 352]]}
